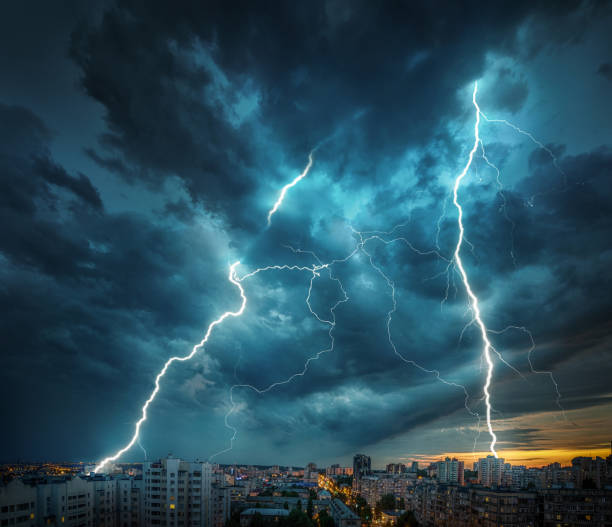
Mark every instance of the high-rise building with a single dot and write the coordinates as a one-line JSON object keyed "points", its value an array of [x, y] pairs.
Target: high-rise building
{"points": [[337, 470], [518, 476], [589, 472], [396, 468], [104, 500], [310, 470], [220, 503], [130, 501], [362, 466], [69, 502], [443, 505], [450, 471], [311, 474], [490, 470], [171, 493], [373, 488], [414, 467], [178, 493], [18, 504]]}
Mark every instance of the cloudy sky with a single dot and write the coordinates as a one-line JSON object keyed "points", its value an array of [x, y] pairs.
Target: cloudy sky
{"points": [[141, 147]]}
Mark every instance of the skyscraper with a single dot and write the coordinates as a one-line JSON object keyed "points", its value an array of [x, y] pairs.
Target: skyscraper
{"points": [[361, 466]]}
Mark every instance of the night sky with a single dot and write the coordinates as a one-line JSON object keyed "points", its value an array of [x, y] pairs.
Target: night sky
{"points": [[142, 144]]}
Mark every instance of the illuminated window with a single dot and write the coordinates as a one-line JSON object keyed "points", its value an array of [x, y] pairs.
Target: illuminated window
{"points": [[172, 506]]}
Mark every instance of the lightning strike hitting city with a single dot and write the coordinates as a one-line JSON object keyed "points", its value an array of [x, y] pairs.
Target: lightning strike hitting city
{"points": [[343, 264]]}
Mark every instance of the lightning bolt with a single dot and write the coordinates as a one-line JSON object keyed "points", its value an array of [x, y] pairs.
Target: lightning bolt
{"points": [[532, 347], [486, 352], [393, 309], [143, 449], [232, 278], [284, 190], [316, 269], [363, 239], [236, 281]]}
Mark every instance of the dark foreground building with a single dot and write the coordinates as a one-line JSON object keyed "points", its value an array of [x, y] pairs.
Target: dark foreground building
{"points": [[455, 506]]}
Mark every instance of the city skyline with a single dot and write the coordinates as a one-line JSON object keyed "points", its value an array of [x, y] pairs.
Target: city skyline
{"points": [[175, 492], [381, 465], [288, 233]]}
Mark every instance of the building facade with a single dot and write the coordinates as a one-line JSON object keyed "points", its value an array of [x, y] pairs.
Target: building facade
{"points": [[362, 466], [436, 505], [450, 471], [490, 470], [177, 493], [342, 515], [17, 504]]}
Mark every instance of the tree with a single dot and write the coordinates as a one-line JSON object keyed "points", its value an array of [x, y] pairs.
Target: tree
{"points": [[402, 503], [296, 518], [325, 520], [407, 519], [299, 505], [310, 508], [234, 519], [387, 502], [257, 520], [363, 510], [286, 506]]}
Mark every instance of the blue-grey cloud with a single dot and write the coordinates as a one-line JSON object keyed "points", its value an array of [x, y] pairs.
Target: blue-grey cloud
{"points": [[109, 269]]}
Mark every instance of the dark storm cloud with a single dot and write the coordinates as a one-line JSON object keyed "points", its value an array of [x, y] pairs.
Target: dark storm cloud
{"points": [[148, 64], [605, 70], [85, 295], [510, 93], [225, 106], [80, 186]]}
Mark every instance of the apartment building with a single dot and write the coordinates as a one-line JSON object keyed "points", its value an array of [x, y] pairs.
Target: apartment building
{"points": [[437, 505], [177, 493], [17, 504], [67, 502], [342, 515], [129, 502]]}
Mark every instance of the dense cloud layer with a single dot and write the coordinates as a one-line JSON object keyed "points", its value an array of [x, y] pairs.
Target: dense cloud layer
{"points": [[111, 267]]}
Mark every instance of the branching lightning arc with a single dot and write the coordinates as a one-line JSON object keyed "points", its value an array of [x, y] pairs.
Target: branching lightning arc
{"points": [[194, 350], [363, 238], [233, 278]]}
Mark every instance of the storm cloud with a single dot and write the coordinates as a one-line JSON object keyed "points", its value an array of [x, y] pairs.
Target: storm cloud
{"points": [[124, 204]]}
